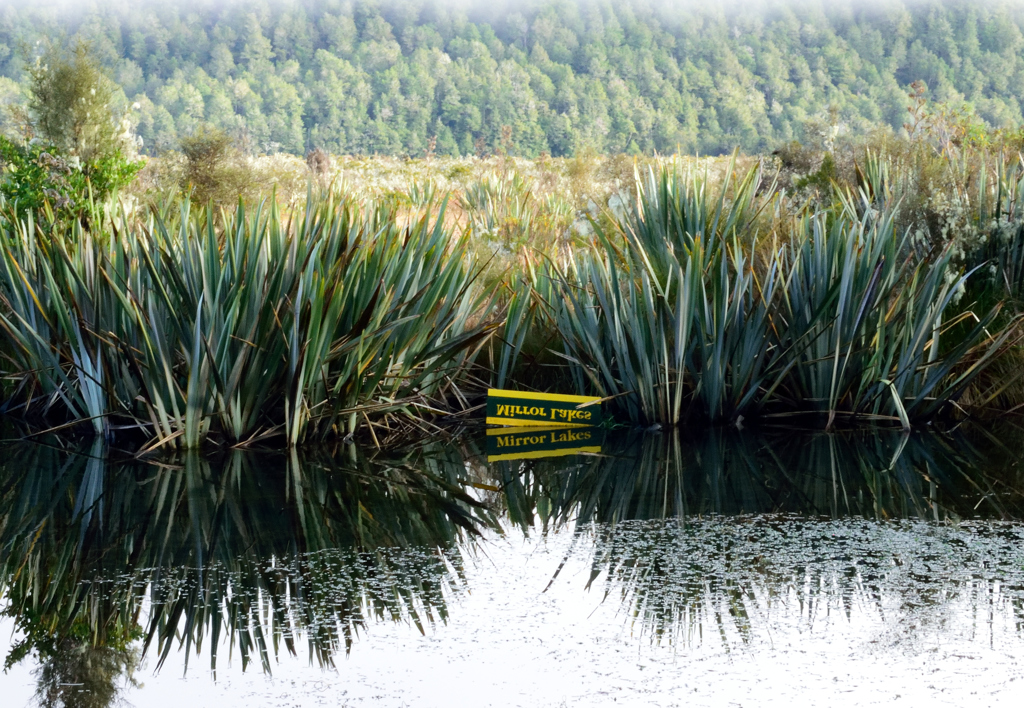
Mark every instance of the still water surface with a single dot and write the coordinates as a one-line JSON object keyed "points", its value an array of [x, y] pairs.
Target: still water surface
{"points": [[734, 569]]}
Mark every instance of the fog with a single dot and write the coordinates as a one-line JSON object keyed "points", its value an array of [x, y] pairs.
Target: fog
{"points": [[484, 9]]}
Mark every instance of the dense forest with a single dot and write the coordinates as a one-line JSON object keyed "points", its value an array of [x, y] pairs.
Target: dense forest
{"points": [[413, 77]]}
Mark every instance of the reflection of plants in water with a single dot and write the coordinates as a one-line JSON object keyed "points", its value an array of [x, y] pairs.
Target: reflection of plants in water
{"points": [[81, 675], [72, 670], [248, 551], [259, 553], [734, 577], [693, 576], [871, 474]]}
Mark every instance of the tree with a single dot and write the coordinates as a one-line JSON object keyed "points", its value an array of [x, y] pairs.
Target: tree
{"points": [[71, 104], [366, 77], [82, 151]]}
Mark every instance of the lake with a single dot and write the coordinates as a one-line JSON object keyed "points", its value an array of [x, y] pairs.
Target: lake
{"points": [[748, 568]]}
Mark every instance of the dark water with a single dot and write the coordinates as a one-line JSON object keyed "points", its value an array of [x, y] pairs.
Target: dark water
{"points": [[728, 568]]}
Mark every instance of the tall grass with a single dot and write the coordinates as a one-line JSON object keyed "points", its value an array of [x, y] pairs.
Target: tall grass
{"points": [[238, 326]]}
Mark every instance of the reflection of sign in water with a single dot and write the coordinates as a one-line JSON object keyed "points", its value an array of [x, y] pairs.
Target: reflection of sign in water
{"points": [[547, 409], [533, 442]]}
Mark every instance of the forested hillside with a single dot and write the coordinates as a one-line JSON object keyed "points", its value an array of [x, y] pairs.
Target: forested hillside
{"points": [[411, 76]]}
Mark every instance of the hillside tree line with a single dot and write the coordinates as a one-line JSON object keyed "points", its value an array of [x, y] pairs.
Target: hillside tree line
{"points": [[411, 77]]}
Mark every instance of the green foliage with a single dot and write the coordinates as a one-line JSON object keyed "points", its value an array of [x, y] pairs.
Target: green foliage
{"points": [[81, 150], [252, 327], [506, 216], [862, 321], [71, 103], [38, 176], [214, 169], [707, 296], [416, 77], [822, 179], [674, 315]]}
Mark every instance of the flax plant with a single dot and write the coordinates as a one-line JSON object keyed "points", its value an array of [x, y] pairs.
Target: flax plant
{"points": [[668, 308], [674, 314], [1003, 219], [864, 319], [192, 324], [54, 291]]}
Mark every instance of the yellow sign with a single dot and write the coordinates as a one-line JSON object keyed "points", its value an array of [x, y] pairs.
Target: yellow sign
{"points": [[544, 409], [533, 442]]}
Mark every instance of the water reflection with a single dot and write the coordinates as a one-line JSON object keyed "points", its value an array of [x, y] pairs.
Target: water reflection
{"points": [[725, 579], [701, 574], [103, 559], [249, 551], [75, 673], [879, 475]]}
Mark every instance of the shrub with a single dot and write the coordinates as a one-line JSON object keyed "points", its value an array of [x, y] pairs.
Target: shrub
{"points": [[319, 163], [38, 175], [214, 169], [77, 149]]}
